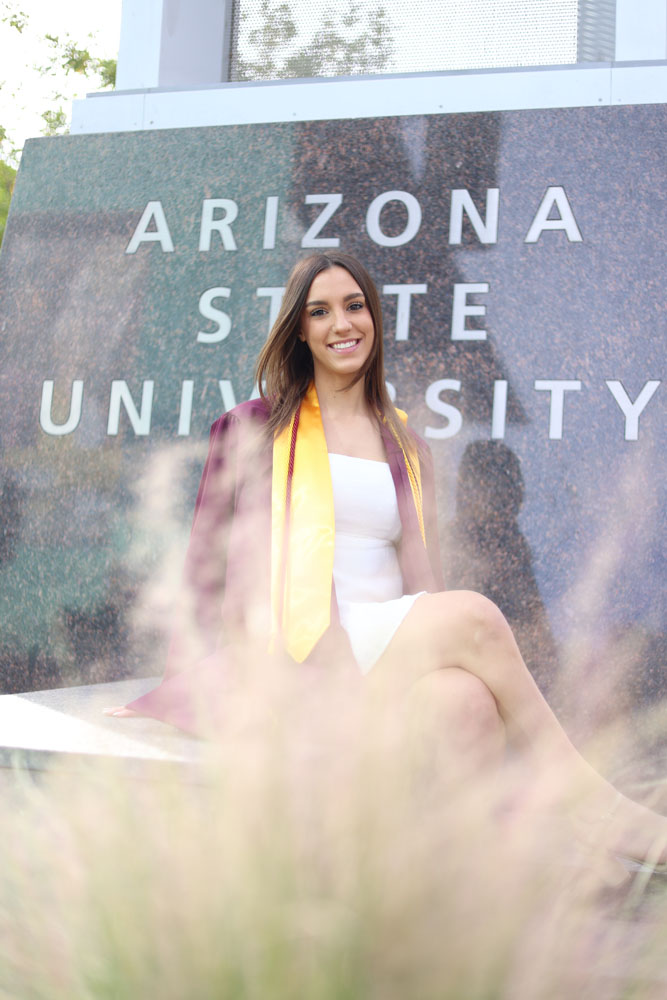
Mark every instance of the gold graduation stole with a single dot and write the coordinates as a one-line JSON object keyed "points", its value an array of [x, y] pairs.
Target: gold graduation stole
{"points": [[303, 529]]}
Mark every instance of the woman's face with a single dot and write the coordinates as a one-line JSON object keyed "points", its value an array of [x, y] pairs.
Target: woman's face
{"points": [[337, 326]]}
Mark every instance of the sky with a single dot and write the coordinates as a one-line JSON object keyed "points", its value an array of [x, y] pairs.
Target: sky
{"points": [[24, 93]]}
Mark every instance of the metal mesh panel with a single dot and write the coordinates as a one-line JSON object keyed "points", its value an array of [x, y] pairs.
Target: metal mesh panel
{"points": [[274, 39], [597, 31]]}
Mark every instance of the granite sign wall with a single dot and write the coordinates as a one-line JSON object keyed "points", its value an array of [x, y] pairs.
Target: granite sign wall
{"points": [[520, 257]]}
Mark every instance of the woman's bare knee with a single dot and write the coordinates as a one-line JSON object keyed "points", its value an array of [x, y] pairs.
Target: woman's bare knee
{"points": [[462, 623], [453, 724], [451, 629], [456, 703], [482, 621]]}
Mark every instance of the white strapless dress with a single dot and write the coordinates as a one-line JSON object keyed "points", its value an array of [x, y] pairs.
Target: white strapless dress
{"points": [[367, 575]]}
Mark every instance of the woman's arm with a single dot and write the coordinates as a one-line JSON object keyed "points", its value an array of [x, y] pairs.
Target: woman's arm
{"points": [[198, 614], [430, 511], [193, 667]]}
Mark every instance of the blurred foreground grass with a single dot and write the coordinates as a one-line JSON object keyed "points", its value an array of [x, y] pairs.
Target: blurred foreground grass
{"points": [[302, 861]]}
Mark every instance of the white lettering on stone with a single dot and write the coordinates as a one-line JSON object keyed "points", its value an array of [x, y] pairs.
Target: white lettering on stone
{"points": [[631, 411], [461, 308], [499, 409], [486, 229], [555, 196], [437, 405], [404, 294], [270, 222], [209, 311], [331, 203], [140, 420], [557, 387], [221, 225], [152, 213], [46, 421], [185, 411], [412, 224]]}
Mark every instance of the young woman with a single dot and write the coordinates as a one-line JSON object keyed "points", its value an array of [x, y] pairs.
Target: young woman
{"points": [[315, 535]]}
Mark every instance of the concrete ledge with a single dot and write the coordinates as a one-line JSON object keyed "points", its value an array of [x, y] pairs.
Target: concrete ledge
{"points": [[65, 726]]}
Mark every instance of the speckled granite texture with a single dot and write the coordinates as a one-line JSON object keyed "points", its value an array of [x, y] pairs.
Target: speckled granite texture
{"points": [[565, 532]]}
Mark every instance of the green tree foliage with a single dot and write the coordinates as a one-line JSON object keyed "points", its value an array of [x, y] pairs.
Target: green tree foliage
{"points": [[64, 54], [15, 18], [73, 59], [347, 41], [7, 175], [55, 122]]}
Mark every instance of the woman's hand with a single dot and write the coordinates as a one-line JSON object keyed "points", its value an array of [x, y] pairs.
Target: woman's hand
{"points": [[120, 712]]}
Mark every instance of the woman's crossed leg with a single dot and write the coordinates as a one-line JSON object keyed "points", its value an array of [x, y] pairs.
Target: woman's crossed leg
{"points": [[455, 657]]}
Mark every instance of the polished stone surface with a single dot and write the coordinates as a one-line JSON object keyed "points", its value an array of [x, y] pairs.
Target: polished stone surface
{"points": [[567, 317]]}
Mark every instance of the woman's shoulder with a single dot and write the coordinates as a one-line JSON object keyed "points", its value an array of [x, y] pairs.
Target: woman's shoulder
{"points": [[253, 411], [419, 442]]}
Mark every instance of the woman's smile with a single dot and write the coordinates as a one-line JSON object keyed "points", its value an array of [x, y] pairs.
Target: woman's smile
{"points": [[344, 346]]}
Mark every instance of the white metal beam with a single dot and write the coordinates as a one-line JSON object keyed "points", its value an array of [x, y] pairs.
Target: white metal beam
{"points": [[195, 42], [374, 97], [641, 30], [140, 44], [173, 43]]}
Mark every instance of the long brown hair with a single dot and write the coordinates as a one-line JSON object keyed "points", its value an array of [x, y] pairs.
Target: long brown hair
{"points": [[285, 365]]}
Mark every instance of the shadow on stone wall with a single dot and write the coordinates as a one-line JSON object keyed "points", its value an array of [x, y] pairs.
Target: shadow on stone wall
{"points": [[484, 550]]}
